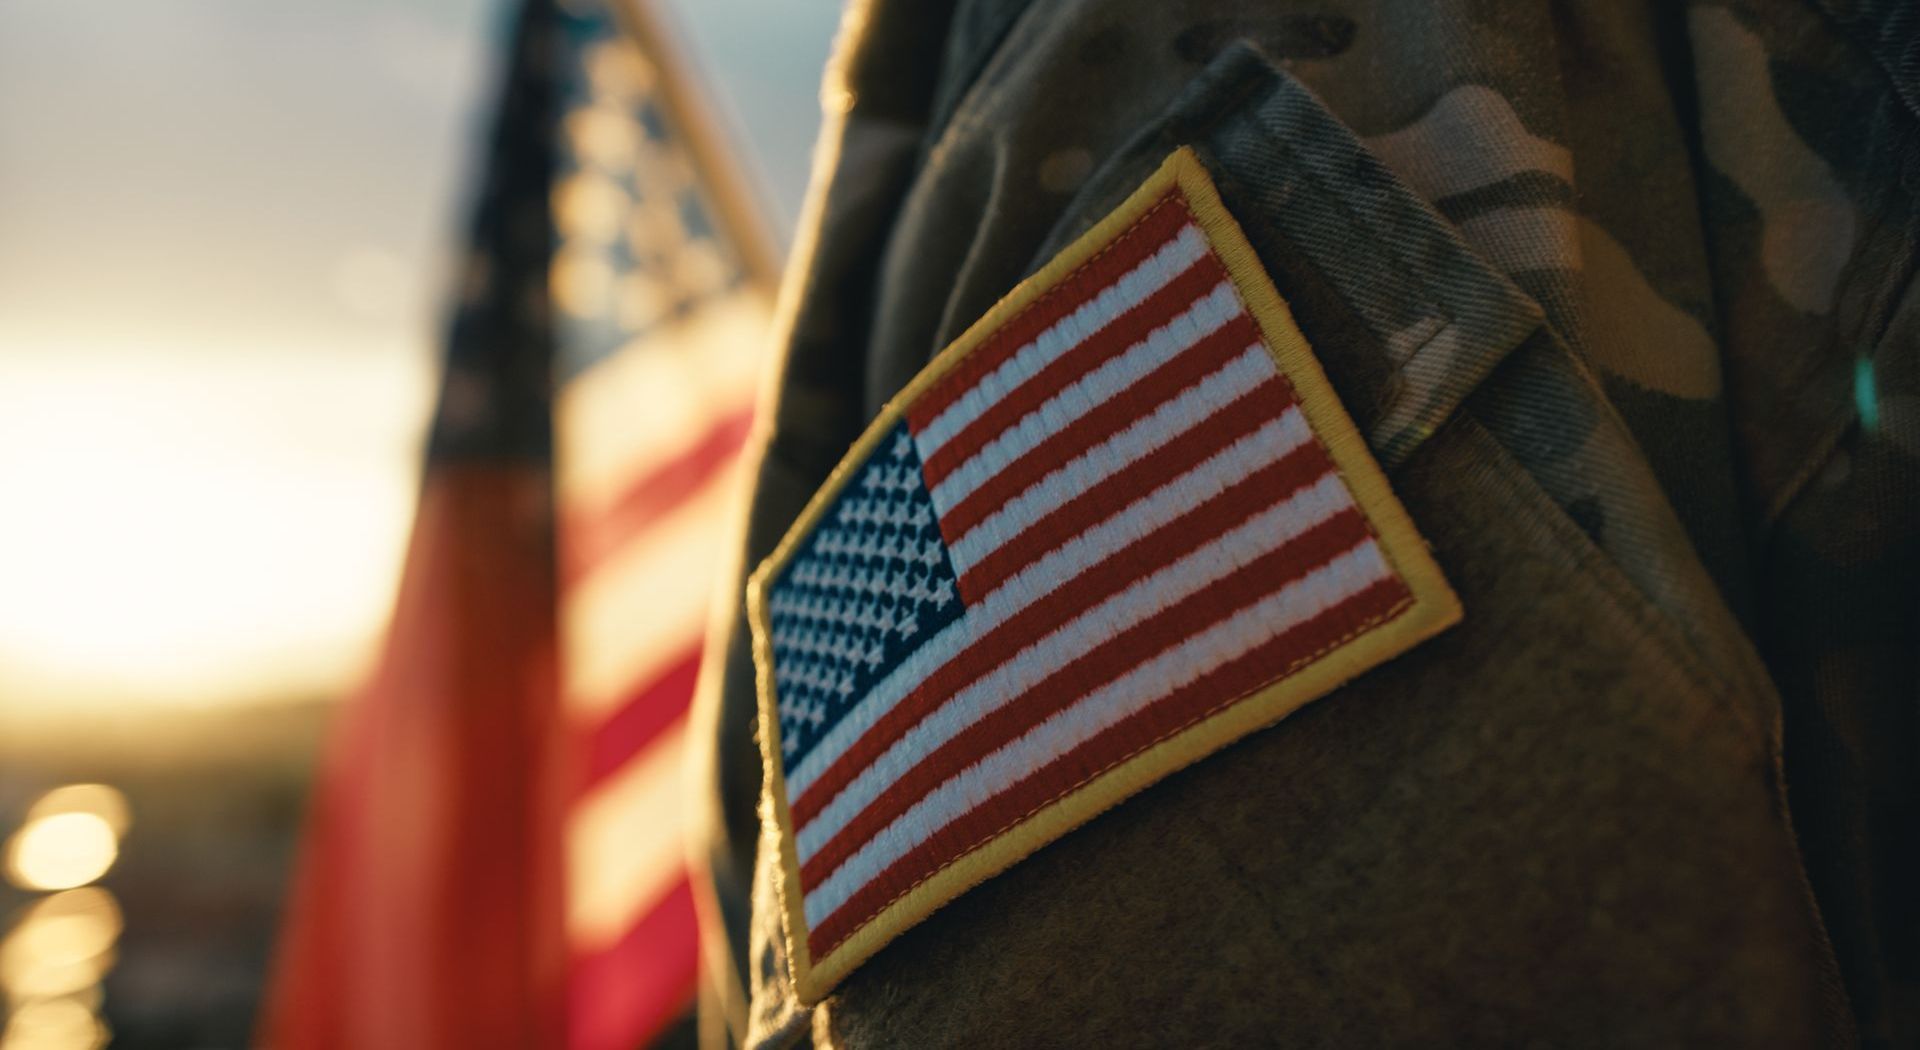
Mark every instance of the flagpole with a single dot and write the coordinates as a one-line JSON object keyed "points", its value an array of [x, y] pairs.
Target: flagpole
{"points": [[738, 204]]}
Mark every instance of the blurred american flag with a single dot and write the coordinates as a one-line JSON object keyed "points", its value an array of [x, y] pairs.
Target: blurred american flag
{"points": [[496, 851]]}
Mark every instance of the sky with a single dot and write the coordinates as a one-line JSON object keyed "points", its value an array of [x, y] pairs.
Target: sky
{"points": [[225, 231]]}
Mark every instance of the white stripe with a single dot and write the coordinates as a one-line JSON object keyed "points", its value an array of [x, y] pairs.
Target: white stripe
{"points": [[1102, 461], [641, 608], [1152, 274], [626, 842], [1088, 392], [1169, 421], [1028, 669], [1228, 640]]}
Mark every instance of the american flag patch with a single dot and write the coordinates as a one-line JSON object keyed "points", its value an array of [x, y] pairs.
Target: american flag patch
{"points": [[1120, 523]]}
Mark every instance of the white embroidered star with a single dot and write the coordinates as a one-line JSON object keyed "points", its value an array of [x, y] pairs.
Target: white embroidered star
{"points": [[942, 594], [902, 445]]}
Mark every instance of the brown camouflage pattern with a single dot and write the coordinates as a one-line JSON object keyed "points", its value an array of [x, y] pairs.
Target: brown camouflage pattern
{"points": [[1660, 256]]}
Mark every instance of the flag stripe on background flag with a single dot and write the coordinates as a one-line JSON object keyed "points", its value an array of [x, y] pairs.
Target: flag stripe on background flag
{"points": [[594, 535], [640, 718], [1113, 511], [605, 985]]}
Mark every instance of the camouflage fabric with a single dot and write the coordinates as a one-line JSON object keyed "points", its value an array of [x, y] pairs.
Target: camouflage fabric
{"points": [[1623, 295]]}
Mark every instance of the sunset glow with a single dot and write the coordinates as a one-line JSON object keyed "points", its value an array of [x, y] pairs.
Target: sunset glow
{"points": [[182, 530]]}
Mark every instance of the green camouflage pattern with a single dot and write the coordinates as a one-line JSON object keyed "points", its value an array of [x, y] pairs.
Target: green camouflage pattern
{"points": [[1656, 260]]}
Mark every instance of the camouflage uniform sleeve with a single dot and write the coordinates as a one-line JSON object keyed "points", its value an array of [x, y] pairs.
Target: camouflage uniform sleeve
{"points": [[1623, 300], [1810, 135]]}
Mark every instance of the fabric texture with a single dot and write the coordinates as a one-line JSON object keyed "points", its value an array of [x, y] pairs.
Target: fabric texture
{"points": [[1623, 298]]}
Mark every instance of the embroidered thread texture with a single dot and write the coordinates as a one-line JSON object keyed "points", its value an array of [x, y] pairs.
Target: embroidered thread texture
{"points": [[1136, 525]]}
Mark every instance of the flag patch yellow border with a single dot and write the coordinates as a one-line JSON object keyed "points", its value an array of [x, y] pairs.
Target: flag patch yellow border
{"points": [[1422, 606]]}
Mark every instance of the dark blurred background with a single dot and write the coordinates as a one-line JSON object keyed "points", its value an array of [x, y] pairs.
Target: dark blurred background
{"points": [[226, 232]]}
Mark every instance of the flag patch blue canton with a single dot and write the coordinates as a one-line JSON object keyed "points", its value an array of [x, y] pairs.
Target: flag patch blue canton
{"points": [[868, 589]]}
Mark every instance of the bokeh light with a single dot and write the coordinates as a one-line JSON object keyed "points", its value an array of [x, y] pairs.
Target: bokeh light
{"points": [[61, 946], [62, 851], [70, 838], [54, 1024], [98, 799]]}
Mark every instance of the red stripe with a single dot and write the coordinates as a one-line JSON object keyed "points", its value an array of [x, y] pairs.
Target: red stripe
{"points": [[1125, 331], [1193, 529], [1106, 419], [589, 537], [646, 712], [1126, 649], [624, 996], [1233, 421], [1145, 237], [1273, 660], [451, 937]]}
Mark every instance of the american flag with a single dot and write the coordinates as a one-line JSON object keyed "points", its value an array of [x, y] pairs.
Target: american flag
{"points": [[497, 854], [1105, 521]]}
